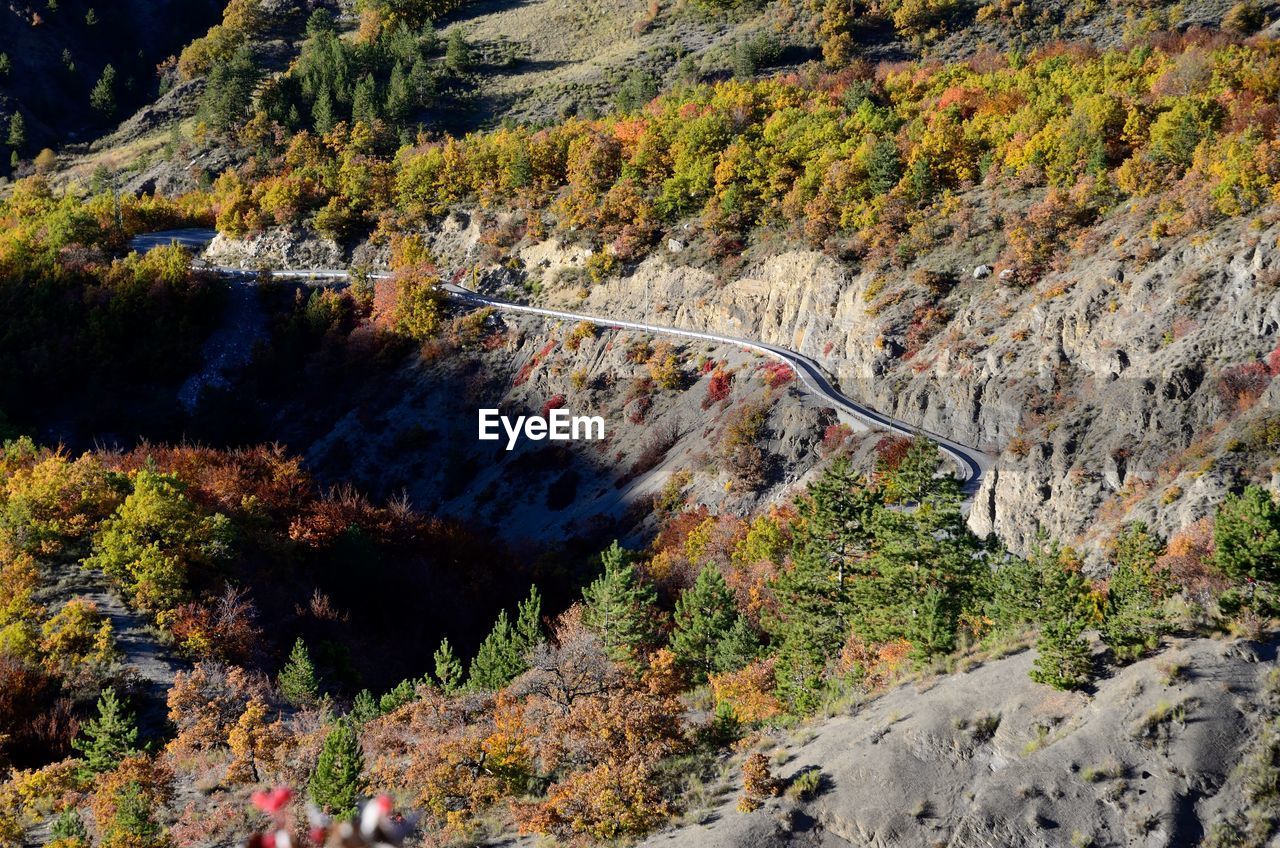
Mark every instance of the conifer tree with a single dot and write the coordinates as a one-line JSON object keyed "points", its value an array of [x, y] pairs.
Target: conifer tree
{"points": [[404, 692], [103, 96], [338, 781], [528, 631], [813, 615], [133, 823], [17, 138], [228, 94], [297, 681], [422, 83], [739, 646], [810, 626], [364, 707], [1135, 619], [448, 668], [1014, 603], [1246, 536], [924, 571], [106, 740], [457, 53], [364, 107], [68, 829], [1064, 660], [884, 166], [322, 117], [399, 104], [916, 476], [498, 660], [618, 607], [838, 514], [704, 615]]}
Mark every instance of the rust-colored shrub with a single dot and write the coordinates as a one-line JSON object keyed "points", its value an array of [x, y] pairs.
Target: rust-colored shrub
{"points": [[749, 691]]}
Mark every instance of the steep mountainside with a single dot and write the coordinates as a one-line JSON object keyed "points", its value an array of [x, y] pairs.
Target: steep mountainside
{"points": [[57, 53], [1109, 388]]}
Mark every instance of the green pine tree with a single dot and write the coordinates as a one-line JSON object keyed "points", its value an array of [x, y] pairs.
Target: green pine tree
{"points": [[1135, 618], [1064, 660], [399, 105], [364, 105], [134, 823], [811, 624], [704, 614], [228, 94], [404, 692], [917, 475], [422, 83], [528, 631], [364, 708], [838, 511], [498, 660], [737, 647], [457, 53], [618, 607], [297, 681], [106, 740], [448, 668], [1015, 592], [884, 166], [1246, 536], [925, 570], [17, 138], [69, 830], [103, 96], [322, 117], [337, 783], [320, 21], [813, 615]]}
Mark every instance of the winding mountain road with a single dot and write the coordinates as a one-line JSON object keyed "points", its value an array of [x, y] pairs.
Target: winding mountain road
{"points": [[971, 463]]}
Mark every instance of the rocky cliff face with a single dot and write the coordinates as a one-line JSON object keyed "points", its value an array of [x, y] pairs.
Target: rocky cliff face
{"points": [[1107, 389], [1101, 387]]}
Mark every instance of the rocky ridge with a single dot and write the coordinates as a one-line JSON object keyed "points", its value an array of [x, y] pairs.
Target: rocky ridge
{"points": [[1099, 386]]}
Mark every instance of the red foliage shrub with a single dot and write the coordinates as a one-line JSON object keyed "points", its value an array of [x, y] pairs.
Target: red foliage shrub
{"points": [[673, 534], [777, 374], [38, 720], [225, 629], [717, 388], [638, 408], [926, 321], [555, 402], [835, 436], [1239, 386], [890, 451], [1189, 561]]}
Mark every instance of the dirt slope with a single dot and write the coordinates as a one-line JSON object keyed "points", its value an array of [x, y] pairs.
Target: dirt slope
{"points": [[988, 758]]}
